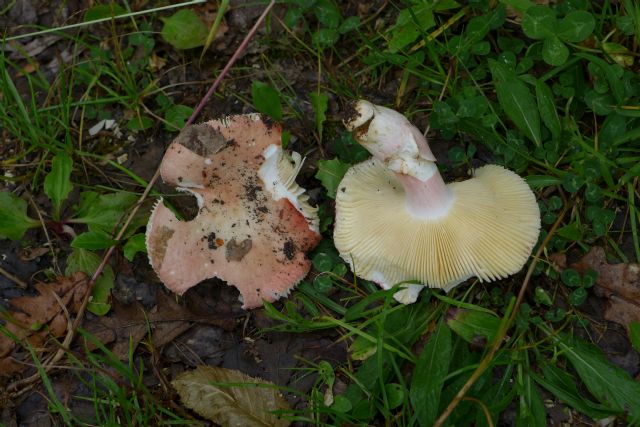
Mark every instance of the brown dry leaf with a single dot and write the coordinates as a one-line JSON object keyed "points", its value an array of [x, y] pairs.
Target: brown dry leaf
{"points": [[619, 282], [245, 401], [29, 254], [129, 324], [36, 317]]}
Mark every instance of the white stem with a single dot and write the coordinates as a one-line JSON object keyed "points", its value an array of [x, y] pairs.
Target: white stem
{"points": [[401, 147]]}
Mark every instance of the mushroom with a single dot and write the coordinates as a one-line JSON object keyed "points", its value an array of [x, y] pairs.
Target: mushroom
{"points": [[254, 223], [398, 222]]}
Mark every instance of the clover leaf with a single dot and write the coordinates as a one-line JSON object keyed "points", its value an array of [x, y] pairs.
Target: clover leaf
{"points": [[540, 23]]}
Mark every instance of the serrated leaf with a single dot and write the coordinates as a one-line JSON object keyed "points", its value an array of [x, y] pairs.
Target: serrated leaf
{"points": [[429, 374], [518, 103], [266, 99], [554, 52], [93, 240], [184, 30], [539, 22], [606, 381], [88, 262], [57, 183], [231, 398], [135, 244], [576, 26], [320, 102], [547, 108], [14, 221], [176, 116], [102, 11], [330, 173]]}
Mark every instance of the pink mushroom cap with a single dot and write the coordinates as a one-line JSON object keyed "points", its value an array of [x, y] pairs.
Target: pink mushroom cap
{"points": [[251, 233]]}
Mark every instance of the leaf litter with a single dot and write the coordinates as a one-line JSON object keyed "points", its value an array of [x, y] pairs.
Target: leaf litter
{"points": [[38, 317], [619, 283], [131, 323]]}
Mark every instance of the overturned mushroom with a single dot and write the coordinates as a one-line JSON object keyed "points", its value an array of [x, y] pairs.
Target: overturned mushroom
{"points": [[254, 223], [397, 221]]}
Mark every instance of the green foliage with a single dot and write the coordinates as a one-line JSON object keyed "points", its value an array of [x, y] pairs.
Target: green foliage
{"points": [[57, 184], [184, 30], [516, 100], [328, 19], [330, 173], [135, 244], [14, 221], [540, 22], [414, 21], [607, 382], [87, 262], [319, 101], [266, 99], [176, 116], [102, 11], [93, 240], [476, 327], [429, 375]]}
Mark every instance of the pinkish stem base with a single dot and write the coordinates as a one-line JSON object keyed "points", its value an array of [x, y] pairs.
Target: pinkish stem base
{"points": [[428, 199]]}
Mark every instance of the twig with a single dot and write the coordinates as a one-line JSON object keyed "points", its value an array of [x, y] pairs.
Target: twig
{"points": [[497, 341], [13, 278], [107, 255]]}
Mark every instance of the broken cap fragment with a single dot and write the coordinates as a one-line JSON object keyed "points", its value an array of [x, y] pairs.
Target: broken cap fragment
{"points": [[397, 221], [254, 223]]}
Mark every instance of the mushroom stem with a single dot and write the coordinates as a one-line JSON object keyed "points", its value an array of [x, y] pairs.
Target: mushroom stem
{"points": [[429, 199], [402, 148]]}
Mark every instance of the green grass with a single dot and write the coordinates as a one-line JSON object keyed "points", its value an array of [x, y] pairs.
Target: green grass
{"points": [[553, 99]]}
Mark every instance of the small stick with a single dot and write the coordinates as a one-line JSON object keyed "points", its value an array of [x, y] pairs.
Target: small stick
{"points": [[13, 278]]}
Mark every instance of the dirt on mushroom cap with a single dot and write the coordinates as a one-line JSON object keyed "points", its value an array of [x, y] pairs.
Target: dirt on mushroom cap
{"points": [[240, 235]]}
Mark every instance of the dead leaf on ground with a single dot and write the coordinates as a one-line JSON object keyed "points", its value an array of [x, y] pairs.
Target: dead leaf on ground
{"points": [[620, 283], [29, 254], [39, 316], [231, 398], [129, 324]]}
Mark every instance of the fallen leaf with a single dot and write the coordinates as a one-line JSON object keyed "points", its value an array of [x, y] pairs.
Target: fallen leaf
{"points": [[129, 324], [39, 316], [29, 254], [231, 398], [620, 283]]}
